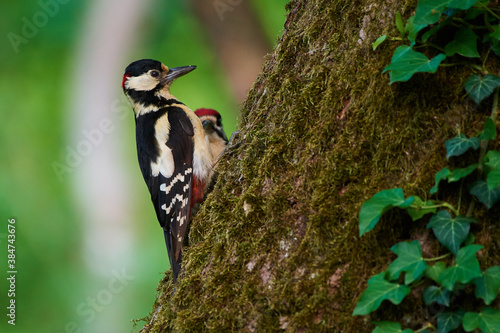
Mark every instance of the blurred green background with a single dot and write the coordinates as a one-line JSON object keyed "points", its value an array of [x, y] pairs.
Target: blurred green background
{"points": [[89, 250]]}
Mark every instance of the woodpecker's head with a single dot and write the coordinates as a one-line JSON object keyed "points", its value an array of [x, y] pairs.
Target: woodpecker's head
{"points": [[147, 82], [212, 124]]}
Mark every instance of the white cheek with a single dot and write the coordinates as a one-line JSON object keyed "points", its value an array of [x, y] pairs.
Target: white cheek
{"points": [[141, 83]]}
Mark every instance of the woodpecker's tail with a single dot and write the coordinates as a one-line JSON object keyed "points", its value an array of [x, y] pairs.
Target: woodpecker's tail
{"points": [[176, 265]]}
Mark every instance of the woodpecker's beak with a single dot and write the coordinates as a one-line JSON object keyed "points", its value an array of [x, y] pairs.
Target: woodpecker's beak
{"points": [[176, 72], [208, 126]]}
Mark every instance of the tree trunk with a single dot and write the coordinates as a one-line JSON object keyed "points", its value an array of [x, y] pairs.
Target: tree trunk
{"points": [[276, 246]]}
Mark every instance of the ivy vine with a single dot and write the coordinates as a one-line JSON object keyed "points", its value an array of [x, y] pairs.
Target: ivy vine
{"points": [[469, 22]]}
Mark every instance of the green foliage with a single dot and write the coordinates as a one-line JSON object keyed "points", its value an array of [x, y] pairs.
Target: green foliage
{"points": [[480, 88], [450, 228], [487, 320], [432, 272], [460, 144], [487, 285], [379, 41], [409, 260], [448, 321], [464, 43], [436, 294], [406, 62], [464, 270], [489, 131], [451, 232], [483, 193], [452, 175], [389, 327], [378, 205], [492, 169], [419, 208], [431, 16], [379, 289]]}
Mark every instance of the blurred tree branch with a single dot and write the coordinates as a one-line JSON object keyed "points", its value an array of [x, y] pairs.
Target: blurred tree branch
{"points": [[237, 38]]}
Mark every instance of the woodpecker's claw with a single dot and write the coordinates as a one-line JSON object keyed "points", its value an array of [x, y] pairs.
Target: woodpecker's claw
{"points": [[233, 136]]}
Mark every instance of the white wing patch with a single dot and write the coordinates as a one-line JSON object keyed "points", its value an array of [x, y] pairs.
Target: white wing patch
{"points": [[164, 164], [182, 198]]}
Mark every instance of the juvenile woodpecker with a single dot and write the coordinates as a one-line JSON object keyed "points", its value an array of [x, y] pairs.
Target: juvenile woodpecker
{"points": [[174, 153], [212, 124]]}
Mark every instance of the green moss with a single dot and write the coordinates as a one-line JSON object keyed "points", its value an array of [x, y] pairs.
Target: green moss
{"points": [[276, 246]]}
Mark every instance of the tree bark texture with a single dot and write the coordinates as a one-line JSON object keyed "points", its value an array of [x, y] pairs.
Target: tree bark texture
{"points": [[276, 245]]}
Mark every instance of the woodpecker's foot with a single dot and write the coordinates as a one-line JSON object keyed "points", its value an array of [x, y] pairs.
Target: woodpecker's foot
{"points": [[234, 136]]}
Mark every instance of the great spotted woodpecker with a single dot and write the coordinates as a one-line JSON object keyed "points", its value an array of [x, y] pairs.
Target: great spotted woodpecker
{"points": [[173, 150], [212, 124]]}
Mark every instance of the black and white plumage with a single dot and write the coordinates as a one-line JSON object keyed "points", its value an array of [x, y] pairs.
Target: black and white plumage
{"points": [[173, 151]]}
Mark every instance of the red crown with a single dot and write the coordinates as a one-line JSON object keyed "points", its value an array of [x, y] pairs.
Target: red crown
{"points": [[207, 112]]}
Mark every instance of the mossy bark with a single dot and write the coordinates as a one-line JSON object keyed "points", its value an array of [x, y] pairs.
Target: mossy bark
{"points": [[276, 246]]}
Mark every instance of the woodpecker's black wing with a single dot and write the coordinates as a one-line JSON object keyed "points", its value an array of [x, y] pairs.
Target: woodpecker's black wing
{"points": [[170, 188]]}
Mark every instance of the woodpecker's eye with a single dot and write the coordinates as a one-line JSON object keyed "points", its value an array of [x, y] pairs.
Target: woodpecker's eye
{"points": [[155, 74]]}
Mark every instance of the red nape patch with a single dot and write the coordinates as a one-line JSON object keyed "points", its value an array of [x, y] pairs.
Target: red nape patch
{"points": [[125, 77], [206, 112], [197, 191]]}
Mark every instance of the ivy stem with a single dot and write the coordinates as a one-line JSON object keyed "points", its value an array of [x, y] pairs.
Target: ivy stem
{"points": [[450, 207], [484, 146], [437, 258], [437, 47], [488, 9], [443, 204], [429, 325]]}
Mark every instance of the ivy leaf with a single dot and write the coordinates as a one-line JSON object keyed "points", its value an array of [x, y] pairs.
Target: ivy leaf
{"points": [[489, 130], [492, 163], [487, 320], [406, 62], [493, 179], [409, 260], [460, 144], [450, 232], [480, 88], [379, 289], [488, 284], [431, 32], [443, 174], [496, 32], [452, 175], [464, 43], [379, 41], [459, 173], [448, 321], [419, 208], [436, 294], [492, 159], [465, 269], [389, 327], [381, 202], [400, 25], [432, 272], [462, 4], [413, 29], [483, 193], [429, 11]]}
